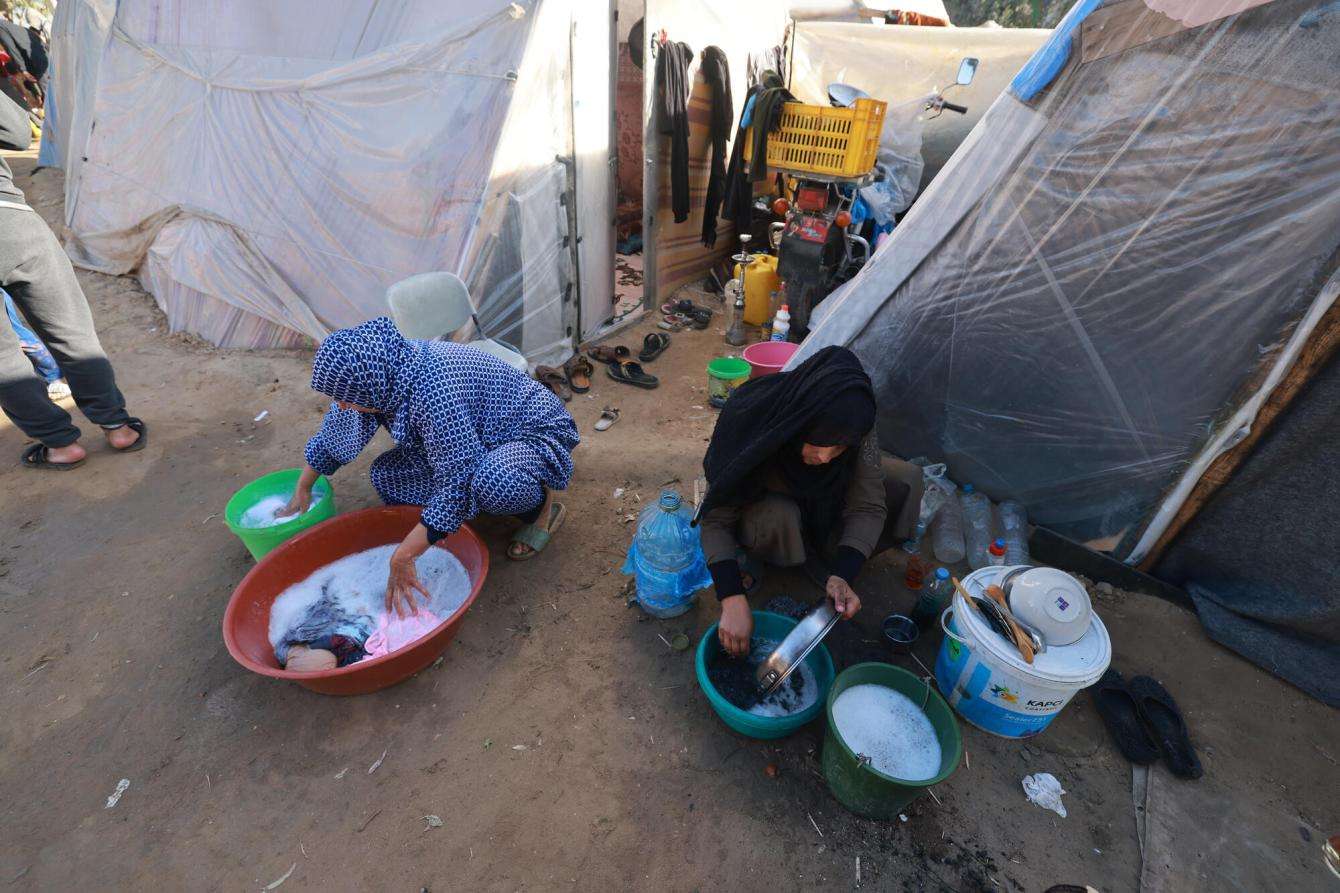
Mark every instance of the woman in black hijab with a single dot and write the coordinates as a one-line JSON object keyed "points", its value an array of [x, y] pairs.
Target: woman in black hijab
{"points": [[793, 475]]}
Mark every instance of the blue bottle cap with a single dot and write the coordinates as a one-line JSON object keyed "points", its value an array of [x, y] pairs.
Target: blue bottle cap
{"points": [[942, 573], [967, 488]]}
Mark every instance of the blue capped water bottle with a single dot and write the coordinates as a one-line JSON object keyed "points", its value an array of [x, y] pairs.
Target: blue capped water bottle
{"points": [[667, 557]]}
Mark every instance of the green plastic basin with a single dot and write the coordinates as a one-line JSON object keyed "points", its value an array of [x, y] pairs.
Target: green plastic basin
{"points": [[260, 540], [866, 791], [766, 626]]}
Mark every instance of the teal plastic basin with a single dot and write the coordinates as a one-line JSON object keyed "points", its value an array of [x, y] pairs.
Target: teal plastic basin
{"points": [[260, 540], [766, 626]]}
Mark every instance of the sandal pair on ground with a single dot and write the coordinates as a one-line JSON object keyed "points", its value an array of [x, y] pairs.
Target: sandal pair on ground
{"points": [[38, 456], [681, 314], [574, 377], [623, 368], [1145, 722]]}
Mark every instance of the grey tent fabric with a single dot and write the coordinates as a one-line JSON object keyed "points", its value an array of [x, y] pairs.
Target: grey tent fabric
{"points": [[1260, 560]]}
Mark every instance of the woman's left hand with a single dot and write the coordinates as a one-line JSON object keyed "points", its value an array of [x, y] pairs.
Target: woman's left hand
{"points": [[845, 601], [402, 585]]}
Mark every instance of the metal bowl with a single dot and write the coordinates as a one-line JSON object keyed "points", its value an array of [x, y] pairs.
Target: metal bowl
{"points": [[796, 646], [900, 631]]}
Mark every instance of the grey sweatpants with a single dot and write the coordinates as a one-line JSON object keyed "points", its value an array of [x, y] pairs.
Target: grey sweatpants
{"points": [[38, 276]]}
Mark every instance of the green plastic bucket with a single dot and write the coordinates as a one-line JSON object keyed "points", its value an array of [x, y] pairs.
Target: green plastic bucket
{"points": [[864, 790], [766, 626], [725, 374], [260, 540]]}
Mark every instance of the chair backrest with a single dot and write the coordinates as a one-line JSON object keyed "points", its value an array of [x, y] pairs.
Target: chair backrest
{"points": [[429, 305]]}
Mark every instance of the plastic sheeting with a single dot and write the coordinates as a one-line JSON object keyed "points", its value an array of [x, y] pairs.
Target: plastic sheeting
{"points": [[903, 64], [272, 170], [1094, 284]]}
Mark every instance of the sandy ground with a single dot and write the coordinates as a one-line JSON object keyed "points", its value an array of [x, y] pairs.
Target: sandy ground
{"points": [[560, 741]]}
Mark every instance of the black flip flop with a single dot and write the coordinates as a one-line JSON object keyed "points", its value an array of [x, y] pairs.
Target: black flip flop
{"points": [[133, 424], [38, 457], [1164, 720], [1116, 705], [653, 346], [702, 318], [631, 373]]}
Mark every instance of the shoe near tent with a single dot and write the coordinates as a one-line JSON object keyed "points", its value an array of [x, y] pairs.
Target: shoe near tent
{"points": [[1125, 260], [268, 170]]}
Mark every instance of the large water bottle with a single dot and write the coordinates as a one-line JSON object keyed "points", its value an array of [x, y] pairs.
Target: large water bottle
{"points": [[1014, 527], [667, 557], [977, 532], [947, 531]]}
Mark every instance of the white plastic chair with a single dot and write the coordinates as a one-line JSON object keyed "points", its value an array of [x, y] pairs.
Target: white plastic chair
{"points": [[434, 305]]}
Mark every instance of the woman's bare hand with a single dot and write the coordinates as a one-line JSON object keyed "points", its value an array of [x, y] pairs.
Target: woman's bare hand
{"points": [[845, 601], [736, 625], [402, 585]]}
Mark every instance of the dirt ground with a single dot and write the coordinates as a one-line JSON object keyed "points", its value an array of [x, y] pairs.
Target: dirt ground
{"points": [[562, 744]]}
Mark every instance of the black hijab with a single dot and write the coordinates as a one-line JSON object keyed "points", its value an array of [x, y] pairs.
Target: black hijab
{"points": [[826, 401]]}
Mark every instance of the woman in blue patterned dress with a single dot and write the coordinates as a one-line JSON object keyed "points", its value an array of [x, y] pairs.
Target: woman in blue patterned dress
{"points": [[473, 435]]}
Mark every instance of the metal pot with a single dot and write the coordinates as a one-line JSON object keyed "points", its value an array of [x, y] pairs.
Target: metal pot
{"points": [[799, 642]]}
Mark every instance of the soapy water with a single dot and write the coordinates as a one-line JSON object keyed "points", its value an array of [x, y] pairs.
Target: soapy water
{"points": [[357, 584], [734, 680], [888, 727], [262, 514]]}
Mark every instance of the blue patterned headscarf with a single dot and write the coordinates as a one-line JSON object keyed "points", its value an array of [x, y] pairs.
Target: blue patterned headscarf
{"points": [[371, 364]]}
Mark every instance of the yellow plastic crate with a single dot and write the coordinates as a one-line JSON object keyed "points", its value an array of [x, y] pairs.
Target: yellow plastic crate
{"points": [[818, 139]]}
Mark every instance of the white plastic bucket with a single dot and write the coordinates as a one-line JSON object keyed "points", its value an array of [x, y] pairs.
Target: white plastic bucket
{"points": [[984, 678]]}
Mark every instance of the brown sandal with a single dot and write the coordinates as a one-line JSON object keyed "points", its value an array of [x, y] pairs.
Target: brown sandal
{"points": [[579, 371], [552, 379], [612, 355]]}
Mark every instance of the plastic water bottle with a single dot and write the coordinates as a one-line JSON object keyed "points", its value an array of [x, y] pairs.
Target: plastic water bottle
{"points": [[996, 553], [1014, 525], [667, 557], [977, 526], [781, 324], [934, 598], [947, 531]]}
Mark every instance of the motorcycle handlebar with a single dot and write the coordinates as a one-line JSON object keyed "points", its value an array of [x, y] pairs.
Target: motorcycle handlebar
{"points": [[961, 109]]}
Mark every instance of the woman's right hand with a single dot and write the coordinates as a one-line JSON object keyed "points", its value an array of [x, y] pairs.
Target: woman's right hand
{"points": [[302, 494], [301, 502], [736, 625]]}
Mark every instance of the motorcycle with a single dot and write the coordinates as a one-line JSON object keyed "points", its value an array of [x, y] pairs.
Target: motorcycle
{"points": [[818, 241]]}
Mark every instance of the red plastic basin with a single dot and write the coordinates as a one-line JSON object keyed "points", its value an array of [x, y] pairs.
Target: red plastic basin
{"points": [[246, 622], [767, 357]]}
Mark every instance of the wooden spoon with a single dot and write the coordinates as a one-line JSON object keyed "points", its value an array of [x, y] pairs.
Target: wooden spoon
{"points": [[1021, 638]]}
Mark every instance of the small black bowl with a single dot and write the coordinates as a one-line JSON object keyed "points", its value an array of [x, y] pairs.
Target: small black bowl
{"points": [[901, 632]]}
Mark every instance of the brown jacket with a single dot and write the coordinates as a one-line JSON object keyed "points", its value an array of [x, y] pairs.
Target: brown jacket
{"points": [[863, 510]]}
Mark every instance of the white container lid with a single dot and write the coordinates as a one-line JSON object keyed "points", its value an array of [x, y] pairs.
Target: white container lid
{"points": [[1079, 665]]}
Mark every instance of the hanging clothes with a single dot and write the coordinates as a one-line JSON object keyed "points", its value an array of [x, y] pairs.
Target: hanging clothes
{"points": [[763, 109], [672, 115], [716, 71]]}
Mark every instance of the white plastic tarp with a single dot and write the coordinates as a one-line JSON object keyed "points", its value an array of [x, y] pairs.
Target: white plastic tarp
{"points": [[276, 167]]}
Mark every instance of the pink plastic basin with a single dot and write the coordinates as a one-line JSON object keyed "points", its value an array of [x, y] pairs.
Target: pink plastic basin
{"points": [[246, 622], [767, 357]]}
